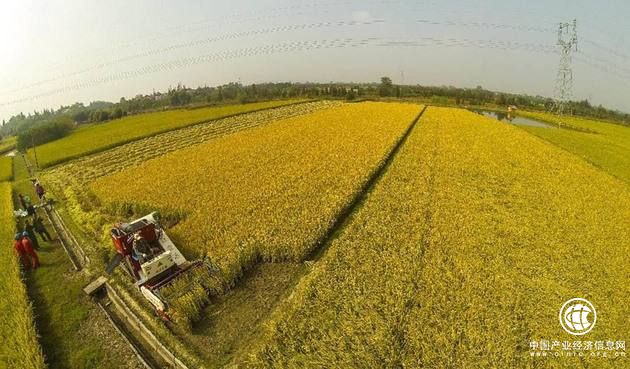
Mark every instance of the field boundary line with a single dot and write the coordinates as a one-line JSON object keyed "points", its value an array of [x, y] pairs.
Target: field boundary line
{"points": [[345, 214]]}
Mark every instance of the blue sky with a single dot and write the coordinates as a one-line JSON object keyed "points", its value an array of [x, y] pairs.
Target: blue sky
{"points": [[57, 52]]}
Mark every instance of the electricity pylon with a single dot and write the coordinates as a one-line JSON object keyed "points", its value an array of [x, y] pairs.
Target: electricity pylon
{"points": [[567, 40]]}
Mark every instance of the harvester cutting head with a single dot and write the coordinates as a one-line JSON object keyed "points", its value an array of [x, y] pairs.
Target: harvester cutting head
{"points": [[161, 272]]}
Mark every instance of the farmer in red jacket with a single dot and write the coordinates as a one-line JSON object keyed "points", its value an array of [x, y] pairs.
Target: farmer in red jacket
{"points": [[28, 248], [19, 250]]}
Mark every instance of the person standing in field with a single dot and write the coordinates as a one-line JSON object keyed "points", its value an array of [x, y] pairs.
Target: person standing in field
{"points": [[39, 190], [28, 249], [30, 232], [40, 228], [30, 210], [19, 250]]}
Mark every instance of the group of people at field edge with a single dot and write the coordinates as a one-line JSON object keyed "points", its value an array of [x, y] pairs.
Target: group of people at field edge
{"points": [[26, 242]]}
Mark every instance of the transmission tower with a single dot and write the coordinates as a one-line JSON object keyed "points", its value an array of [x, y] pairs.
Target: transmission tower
{"points": [[567, 40]]}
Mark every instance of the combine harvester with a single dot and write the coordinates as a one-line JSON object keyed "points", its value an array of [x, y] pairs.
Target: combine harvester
{"points": [[176, 288], [159, 270]]}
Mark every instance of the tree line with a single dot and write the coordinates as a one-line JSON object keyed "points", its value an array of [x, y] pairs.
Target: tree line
{"points": [[52, 124]]}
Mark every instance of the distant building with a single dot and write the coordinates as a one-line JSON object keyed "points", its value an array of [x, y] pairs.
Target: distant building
{"points": [[512, 108]]}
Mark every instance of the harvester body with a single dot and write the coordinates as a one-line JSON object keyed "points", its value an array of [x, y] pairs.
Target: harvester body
{"points": [[156, 269]]}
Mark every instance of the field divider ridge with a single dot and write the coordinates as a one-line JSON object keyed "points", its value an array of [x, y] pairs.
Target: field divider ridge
{"points": [[346, 213]]}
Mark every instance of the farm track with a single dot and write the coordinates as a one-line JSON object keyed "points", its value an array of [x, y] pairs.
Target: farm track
{"points": [[68, 241], [55, 293]]}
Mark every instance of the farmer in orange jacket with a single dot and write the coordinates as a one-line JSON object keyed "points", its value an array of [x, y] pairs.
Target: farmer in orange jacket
{"points": [[28, 248]]}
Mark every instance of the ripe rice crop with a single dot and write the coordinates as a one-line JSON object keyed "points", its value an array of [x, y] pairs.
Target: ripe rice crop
{"points": [[79, 172], [271, 192], [190, 292], [19, 348], [98, 137], [6, 168], [461, 255]]}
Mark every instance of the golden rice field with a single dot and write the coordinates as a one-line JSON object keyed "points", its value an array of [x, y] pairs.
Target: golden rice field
{"points": [[19, 348], [271, 192], [460, 256], [86, 169], [99, 137]]}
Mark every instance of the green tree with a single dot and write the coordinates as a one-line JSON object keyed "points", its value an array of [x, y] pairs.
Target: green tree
{"points": [[118, 113], [386, 87]]}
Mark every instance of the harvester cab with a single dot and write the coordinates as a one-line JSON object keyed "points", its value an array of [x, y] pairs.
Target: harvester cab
{"points": [[146, 249]]}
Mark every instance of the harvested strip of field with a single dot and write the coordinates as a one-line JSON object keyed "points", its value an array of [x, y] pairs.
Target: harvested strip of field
{"points": [[19, 348], [6, 168], [86, 169], [607, 146], [463, 252], [99, 137], [270, 192]]}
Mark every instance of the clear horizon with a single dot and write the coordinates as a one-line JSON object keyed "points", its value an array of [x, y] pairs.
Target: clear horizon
{"points": [[60, 52]]}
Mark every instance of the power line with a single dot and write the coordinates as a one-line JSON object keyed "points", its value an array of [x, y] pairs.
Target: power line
{"points": [[607, 49], [246, 17], [285, 48], [199, 42], [485, 25], [310, 45], [231, 36]]}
